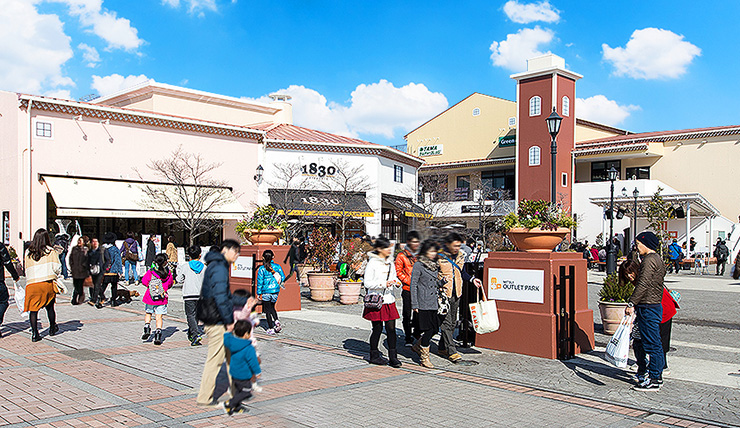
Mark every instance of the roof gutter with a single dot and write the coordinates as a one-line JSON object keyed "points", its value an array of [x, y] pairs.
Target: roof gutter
{"points": [[347, 145]]}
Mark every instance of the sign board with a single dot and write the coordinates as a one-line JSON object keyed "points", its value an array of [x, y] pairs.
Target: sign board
{"points": [[6, 227], [242, 267], [673, 234], [508, 140], [434, 150], [475, 209], [516, 285]]}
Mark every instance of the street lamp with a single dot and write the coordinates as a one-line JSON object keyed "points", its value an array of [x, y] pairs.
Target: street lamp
{"points": [[635, 193], [611, 251], [553, 127], [258, 174]]}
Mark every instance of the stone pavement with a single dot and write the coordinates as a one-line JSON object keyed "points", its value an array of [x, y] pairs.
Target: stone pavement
{"points": [[97, 372]]}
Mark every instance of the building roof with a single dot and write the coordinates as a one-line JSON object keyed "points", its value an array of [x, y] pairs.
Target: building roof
{"points": [[469, 163], [663, 136], [700, 206], [601, 127]]}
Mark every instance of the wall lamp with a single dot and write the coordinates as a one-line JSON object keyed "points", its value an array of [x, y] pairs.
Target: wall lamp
{"points": [[259, 172]]}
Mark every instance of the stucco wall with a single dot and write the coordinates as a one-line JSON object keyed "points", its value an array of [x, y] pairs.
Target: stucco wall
{"points": [[12, 122]]}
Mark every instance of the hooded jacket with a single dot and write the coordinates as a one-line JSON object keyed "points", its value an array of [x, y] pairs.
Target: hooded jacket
{"points": [[216, 285], [244, 363], [377, 273], [112, 260], [266, 282], [190, 274], [166, 284]]}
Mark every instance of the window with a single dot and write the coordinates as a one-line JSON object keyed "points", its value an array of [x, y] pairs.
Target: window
{"points": [[564, 179], [638, 173], [462, 188], [43, 129], [476, 111], [535, 106], [398, 173], [512, 121], [600, 170], [534, 156], [494, 182], [566, 106]]}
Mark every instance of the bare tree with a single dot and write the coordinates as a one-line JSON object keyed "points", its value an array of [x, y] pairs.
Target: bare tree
{"points": [[434, 197], [190, 196], [347, 183], [286, 188], [492, 205]]}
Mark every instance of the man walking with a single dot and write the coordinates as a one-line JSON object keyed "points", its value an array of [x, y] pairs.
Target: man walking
{"points": [[676, 255], [404, 266], [722, 253], [294, 257]]}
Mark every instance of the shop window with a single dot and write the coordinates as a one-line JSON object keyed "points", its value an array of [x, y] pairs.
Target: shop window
{"points": [[566, 106], [638, 173], [43, 129], [535, 106], [398, 173], [496, 182], [534, 156], [462, 188], [476, 111], [600, 170]]}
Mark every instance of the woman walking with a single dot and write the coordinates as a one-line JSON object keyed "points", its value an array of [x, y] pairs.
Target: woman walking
{"points": [[425, 287], [380, 278], [270, 278], [95, 261], [42, 270], [78, 262], [157, 280]]}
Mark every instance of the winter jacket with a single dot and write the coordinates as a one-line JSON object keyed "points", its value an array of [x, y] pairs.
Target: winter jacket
{"points": [[216, 285], [293, 255], [112, 262], [425, 285], [244, 363], [95, 257], [404, 265], [377, 273], [171, 253], [133, 246], [190, 274], [266, 282], [46, 268], [453, 276], [674, 251], [151, 251], [166, 284], [78, 262], [649, 284], [7, 261], [722, 253]]}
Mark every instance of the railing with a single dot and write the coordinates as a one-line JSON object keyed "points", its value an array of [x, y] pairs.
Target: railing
{"points": [[402, 148]]}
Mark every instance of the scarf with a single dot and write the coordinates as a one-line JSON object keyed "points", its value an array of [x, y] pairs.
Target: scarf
{"points": [[432, 265]]}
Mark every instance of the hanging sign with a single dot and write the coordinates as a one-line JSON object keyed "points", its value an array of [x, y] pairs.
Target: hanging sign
{"points": [[430, 150]]}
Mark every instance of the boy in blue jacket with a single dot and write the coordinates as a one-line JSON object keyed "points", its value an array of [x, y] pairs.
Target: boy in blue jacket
{"points": [[244, 366]]}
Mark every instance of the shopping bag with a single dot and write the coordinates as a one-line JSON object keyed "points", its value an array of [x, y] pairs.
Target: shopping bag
{"points": [[484, 315], [20, 299], [618, 348]]}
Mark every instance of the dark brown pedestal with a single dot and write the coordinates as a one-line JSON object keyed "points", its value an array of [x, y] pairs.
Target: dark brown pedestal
{"points": [[535, 328], [290, 296]]}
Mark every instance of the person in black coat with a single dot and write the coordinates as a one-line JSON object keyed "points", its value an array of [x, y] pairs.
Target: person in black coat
{"points": [[95, 263], [151, 251], [7, 261]]}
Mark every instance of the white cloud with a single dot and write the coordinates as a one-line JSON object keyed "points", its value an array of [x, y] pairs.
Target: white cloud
{"points": [[64, 94], [194, 6], [600, 109], [525, 13], [89, 54], [375, 109], [117, 32], [652, 53], [33, 49], [107, 85], [514, 52]]}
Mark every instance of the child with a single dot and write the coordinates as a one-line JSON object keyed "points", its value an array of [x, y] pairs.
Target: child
{"points": [[270, 278], [243, 367], [157, 280], [190, 274], [244, 304]]}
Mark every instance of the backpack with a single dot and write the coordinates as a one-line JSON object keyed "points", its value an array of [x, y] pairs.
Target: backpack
{"points": [[130, 256], [156, 288]]}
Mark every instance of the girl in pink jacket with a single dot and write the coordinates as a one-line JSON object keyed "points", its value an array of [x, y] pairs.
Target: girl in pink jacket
{"points": [[157, 280]]}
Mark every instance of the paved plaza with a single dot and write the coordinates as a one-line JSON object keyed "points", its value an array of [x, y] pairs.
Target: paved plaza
{"points": [[98, 373]]}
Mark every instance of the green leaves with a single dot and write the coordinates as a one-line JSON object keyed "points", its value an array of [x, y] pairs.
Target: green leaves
{"points": [[542, 214], [266, 217], [613, 291]]}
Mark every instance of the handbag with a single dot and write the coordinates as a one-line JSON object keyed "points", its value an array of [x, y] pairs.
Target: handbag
{"points": [[88, 282], [59, 287], [618, 348], [20, 299], [484, 315], [95, 269], [374, 301], [206, 311], [131, 257], [675, 295]]}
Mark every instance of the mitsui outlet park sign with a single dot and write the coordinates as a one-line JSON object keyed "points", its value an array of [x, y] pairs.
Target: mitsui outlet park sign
{"points": [[516, 285]]}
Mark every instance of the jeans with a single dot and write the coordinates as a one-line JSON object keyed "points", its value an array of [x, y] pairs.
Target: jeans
{"points": [[446, 343], [665, 339], [63, 259], [193, 328], [675, 265], [132, 266], [410, 322], [648, 319]]}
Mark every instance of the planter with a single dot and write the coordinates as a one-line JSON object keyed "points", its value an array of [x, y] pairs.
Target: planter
{"points": [[263, 236], [303, 270], [611, 315], [321, 285], [349, 292], [536, 240]]}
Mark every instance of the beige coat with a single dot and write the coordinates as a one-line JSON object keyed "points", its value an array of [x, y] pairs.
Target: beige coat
{"points": [[47, 268], [451, 275]]}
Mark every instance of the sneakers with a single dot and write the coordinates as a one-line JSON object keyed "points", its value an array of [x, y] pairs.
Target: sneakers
{"points": [[158, 337], [408, 344], [270, 332], [195, 340], [232, 410], [256, 387], [147, 332], [455, 357], [648, 385], [278, 326], [640, 378]]}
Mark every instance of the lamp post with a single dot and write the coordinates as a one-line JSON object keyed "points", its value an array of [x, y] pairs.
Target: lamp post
{"points": [[553, 127], [635, 193], [611, 251]]}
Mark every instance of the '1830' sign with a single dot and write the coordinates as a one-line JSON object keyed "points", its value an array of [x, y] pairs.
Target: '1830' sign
{"points": [[318, 170]]}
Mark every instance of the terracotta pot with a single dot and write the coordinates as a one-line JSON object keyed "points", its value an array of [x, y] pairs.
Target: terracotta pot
{"points": [[611, 315], [536, 240], [349, 292], [303, 270], [263, 236], [321, 285]]}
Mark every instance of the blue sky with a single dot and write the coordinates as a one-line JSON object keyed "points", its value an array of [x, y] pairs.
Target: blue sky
{"points": [[376, 70]]}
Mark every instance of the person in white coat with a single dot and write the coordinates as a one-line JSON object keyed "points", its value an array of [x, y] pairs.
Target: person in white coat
{"points": [[380, 278]]}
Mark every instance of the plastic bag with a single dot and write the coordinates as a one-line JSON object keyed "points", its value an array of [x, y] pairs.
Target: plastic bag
{"points": [[20, 299], [618, 348], [484, 315]]}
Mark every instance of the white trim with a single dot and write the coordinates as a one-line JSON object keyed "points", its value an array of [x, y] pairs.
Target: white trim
{"points": [[539, 103], [679, 135], [554, 99], [348, 145], [542, 72], [581, 152], [534, 150], [517, 147]]}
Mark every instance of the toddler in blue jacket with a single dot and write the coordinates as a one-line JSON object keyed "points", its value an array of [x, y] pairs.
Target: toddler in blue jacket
{"points": [[244, 366]]}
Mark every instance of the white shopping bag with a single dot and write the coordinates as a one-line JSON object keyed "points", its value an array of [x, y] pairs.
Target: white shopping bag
{"points": [[618, 348], [20, 299], [484, 315]]}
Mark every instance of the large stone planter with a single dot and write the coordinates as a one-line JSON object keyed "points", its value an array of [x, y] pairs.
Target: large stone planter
{"points": [[536, 240], [321, 286], [349, 292], [263, 236], [611, 315]]}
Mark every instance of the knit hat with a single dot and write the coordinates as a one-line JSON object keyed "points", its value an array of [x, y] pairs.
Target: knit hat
{"points": [[649, 240], [109, 238]]}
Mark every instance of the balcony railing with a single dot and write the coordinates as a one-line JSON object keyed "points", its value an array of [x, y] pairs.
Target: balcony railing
{"points": [[402, 148]]}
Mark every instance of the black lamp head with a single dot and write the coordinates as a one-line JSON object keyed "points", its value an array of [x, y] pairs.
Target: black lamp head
{"points": [[553, 123]]}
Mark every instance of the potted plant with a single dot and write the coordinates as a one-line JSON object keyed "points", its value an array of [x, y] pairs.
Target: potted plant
{"points": [[321, 250], [613, 298], [353, 256], [264, 227], [537, 226]]}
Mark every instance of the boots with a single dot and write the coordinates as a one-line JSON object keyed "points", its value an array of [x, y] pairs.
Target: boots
{"points": [[147, 332], [424, 360], [416, 347], [393, 359], [53, 329], [158, 337], [376, 358]]}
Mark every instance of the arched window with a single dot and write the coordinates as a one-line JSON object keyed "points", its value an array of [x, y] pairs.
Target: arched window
{"points": [[566, 106], [535, 106], [534, 156]]}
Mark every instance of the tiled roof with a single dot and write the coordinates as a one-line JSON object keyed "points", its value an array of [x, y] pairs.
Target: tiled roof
{"points": [[469, 163], [661, 136], [286, 132]]}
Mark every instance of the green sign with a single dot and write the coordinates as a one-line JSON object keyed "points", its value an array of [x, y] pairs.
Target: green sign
{"points": [[508, 140], [430, 150]]}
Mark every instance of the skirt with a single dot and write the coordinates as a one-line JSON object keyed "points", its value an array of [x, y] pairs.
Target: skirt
{"points": [[387, 312], [428, 320], [38, 295]]}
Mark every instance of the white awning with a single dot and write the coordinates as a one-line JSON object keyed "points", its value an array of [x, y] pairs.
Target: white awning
{"points": [[93, 197]]}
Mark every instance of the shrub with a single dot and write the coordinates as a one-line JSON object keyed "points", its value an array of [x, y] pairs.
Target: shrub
{"points": [[613, 291], [542, 214]]}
